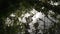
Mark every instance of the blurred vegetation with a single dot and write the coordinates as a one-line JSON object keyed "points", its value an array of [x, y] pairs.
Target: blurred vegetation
{"points": [[19, 7]]}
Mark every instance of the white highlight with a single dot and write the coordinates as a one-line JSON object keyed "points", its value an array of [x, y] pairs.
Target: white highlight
{"points": [[12, 15], [56, 3]]}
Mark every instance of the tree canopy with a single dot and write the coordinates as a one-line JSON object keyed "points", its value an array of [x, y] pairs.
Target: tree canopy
{"points": [[23, 6], [7, 6]]}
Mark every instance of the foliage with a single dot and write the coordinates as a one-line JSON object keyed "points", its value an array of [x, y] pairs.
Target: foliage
{"points": [[22, 6]]}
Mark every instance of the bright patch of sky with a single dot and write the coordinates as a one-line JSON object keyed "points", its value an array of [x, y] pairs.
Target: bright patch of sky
{"points": [[26, 15], [35, 17], [12, 15], [33, 11], [54, 3], [51, 3], [23, 19]]}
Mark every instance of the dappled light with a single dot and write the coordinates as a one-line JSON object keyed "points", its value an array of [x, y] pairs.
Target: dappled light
{"points": [[29, 16]]}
